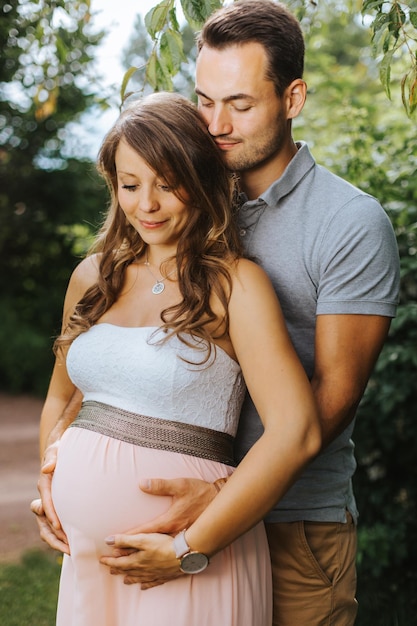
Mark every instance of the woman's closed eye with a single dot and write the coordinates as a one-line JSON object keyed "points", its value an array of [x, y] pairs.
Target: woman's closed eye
{"points": [[164, 187]]}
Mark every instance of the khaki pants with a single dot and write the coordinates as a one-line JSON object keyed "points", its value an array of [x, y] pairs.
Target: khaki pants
{"points": [[314, 573]]}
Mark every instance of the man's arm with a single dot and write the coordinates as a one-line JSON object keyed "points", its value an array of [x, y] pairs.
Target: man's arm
{"points": [[346, 350]]}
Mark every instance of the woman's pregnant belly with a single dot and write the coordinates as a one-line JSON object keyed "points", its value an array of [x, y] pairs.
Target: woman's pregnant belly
{"points": [[95, 487]]}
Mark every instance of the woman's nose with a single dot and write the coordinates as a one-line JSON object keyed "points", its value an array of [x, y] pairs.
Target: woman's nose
{"points": [[148, 201]]}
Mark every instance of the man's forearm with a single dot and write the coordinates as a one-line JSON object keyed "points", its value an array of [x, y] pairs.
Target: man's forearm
{"points": [[336, 412]]}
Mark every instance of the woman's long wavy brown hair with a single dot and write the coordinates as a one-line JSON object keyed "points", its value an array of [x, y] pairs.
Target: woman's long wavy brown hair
{"points": [[166, 130]]}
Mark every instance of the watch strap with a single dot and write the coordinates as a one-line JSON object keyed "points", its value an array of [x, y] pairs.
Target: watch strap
{"points": [[191, 562], [181, 546]]}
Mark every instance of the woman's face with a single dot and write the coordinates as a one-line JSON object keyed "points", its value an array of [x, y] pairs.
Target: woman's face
{"points": [[147, 200]]}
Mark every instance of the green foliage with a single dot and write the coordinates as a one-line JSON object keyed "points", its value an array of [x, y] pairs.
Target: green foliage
{"points": [[43, 195], [386, 479], [394, 35], [168, 54], [357, 136], [51, 215], [29, 590], [139, 50], [46, 47], [54, 50]]}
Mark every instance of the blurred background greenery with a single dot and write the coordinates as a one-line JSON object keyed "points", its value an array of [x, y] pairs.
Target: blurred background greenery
{"points": [[51, 205]]}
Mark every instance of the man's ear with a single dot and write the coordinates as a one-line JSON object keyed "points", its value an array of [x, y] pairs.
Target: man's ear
{"points": [[295, 95]]}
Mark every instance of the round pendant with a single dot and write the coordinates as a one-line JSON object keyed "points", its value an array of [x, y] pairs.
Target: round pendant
{"points": [[158, 288]]}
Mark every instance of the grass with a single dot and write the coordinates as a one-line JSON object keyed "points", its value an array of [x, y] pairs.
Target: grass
{"points": [[29, 590]]}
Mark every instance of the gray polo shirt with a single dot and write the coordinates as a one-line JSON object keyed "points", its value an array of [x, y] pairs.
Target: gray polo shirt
{"points": [[328, 248]]}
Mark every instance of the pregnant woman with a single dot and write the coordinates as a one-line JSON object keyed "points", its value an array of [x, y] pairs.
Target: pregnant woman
{"points": [[163, 321]]}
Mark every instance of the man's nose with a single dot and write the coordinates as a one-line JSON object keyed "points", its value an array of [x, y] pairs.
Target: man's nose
{"points": [[219, 122]]}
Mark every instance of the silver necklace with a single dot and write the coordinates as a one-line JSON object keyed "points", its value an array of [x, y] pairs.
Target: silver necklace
{"points": [[159, 286]]}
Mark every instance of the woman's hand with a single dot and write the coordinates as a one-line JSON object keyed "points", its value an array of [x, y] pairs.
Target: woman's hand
{"points": [[148, 559]]}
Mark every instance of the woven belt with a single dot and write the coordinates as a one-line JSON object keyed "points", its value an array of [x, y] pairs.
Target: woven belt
{"points": [[152, 432]]}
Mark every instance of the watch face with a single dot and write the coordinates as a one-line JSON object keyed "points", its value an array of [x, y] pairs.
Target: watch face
{"points": [[194, 562]]}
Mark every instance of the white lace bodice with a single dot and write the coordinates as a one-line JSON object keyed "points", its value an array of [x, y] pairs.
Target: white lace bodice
{"points": [[122, 367]]}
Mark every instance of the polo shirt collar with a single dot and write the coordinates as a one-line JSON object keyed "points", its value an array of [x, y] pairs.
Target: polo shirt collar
{"points": [[297, 168]]}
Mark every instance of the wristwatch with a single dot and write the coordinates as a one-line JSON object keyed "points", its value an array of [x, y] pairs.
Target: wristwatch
{"points": [[191, 562]]}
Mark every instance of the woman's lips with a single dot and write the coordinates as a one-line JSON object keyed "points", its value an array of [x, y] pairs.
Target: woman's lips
{"points": [[152, 225]]}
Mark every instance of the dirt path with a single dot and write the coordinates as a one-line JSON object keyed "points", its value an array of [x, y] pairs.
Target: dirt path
{"points": [[19, 468]]}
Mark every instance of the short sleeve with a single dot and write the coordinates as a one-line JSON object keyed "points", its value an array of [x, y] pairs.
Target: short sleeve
{"points": [[358, 261]]}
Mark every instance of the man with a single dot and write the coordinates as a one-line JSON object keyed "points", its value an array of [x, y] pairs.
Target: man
{"points": [[330, 252]]}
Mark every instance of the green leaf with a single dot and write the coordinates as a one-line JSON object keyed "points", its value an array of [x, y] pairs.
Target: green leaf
{"points": [[413, 96], [403, 95], [413, 18], [397, 19], [127, 76], [385, 72], [409, 91], [412, 91], [150, 75], [171, 50], [380, 21], [379, 29], [166, 57], [369, 5], [389, 37], [197, 11], [157, 17], [157, 74], [173, 19], [381, 39]]}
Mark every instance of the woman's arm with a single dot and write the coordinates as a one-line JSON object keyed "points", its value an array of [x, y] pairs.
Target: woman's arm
{"points": [[284, 399], [61, 389], [60, 408]]}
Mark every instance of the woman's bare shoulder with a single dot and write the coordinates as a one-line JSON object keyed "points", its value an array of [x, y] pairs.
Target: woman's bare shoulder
{"points": [[84, 276], [248, 273], [252, 292], [87, 271]]}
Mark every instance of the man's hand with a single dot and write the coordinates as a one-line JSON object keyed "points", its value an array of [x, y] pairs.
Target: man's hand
{"points": [[55, 538], [148, 559], [190, 496], [48, 522], [45, 484]]}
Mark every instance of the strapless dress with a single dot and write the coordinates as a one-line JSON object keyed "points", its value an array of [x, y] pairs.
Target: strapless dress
{"points": [[150, 410]]}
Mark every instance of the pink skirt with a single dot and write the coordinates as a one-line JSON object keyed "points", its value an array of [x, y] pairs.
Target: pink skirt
{"points": [[96, 494]]}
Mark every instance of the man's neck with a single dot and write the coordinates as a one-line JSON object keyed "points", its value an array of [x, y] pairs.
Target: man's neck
{"points": [[257, 180]]}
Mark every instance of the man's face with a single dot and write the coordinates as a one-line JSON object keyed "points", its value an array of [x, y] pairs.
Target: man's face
{"points": [[240, 105]]}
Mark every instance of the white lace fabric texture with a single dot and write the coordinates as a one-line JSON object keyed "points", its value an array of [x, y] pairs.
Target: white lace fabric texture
{"points": [[123, 367]]}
